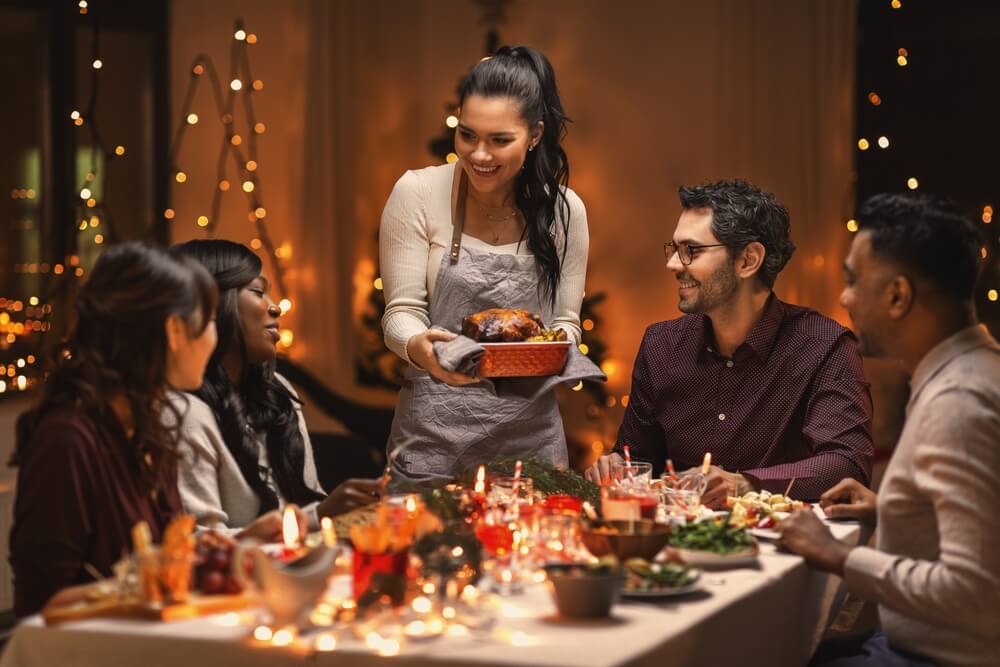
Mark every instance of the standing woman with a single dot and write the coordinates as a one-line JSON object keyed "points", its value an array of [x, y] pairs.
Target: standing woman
{"points": [[247, 450], [498, 228], [94, 455]]}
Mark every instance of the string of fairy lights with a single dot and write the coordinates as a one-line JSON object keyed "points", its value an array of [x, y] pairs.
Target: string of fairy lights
{"points": [[236, 147], [882, 142]]}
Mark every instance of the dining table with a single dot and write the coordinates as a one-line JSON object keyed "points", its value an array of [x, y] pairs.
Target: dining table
{"points": [[772, 612]]}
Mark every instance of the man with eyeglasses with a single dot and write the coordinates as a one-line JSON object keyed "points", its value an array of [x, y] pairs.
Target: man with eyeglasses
{"points": [[776, 392]]}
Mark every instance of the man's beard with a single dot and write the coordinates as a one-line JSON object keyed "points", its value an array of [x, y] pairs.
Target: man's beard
{"points": [[712, 292]]}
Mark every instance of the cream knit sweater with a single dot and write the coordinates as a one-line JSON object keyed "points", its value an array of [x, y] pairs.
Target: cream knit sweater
{"points": [[415, 232]]}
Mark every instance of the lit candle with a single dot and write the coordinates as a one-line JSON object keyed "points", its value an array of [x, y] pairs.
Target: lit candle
{"points": [[480, 487], [329, 534], [289, 534], [707, 463]]}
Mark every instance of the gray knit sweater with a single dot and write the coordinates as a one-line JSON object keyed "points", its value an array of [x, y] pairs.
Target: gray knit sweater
{"points": [[212, 488]]}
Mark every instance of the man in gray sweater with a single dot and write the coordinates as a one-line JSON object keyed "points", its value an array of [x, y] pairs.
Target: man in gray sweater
{"points": [[935, 573]]}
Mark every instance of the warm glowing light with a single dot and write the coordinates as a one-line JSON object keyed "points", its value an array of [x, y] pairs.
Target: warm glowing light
{"points": [[258, 84], [251, 38], [227, 119], [290, 528], [78, 272], [283, 637], [863, 144], [260, 212], [588, 325], [224, 185], [584, 348], [912, 183], [255, 244], [169, 214], [97, 64], [74, 115], [284, 251], [180, 177], [33, 300], [91, 203], [378, 283], [192, 118], [895, 4], [235, 84], [451, 121], [247, 186], [326, 642], [83, 225], [85, 193], [901, 61], [286, 338], [198, 70], [236, 140], [578, 386], [94, 221], [98, 239], [625, 400], [883, 142], [610, 368], [22, 381], [874, 98], [451, 158], [259, 128], [903, 52], [119, 150], [852, 225], [984, 253], [240, 35], [58, 269], [203, 221], [421, 605], [78, 122], [992, 295]]}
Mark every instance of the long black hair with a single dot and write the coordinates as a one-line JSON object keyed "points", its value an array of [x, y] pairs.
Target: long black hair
{"points": [[119, 347], [526, 75], [257, 401]]}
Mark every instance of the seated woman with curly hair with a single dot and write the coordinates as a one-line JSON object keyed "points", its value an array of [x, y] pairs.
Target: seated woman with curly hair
{"points": [[94, 455]]}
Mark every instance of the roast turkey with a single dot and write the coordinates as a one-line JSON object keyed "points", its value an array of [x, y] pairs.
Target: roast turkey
{"points": [[502, 325]]}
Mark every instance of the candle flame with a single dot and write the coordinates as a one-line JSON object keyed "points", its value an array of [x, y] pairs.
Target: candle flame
{"points": [[411, 505], [290, 528], [480, 487], [329, 534]]}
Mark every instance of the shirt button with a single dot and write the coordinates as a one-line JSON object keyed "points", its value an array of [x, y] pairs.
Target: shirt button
{"points": [[722, 417], [729, 364]]}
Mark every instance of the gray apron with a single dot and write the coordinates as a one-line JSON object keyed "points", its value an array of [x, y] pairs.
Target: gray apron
{"points": [[442, 430]]}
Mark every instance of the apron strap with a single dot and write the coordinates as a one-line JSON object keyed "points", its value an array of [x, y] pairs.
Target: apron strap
{"points": [[458, 211]]}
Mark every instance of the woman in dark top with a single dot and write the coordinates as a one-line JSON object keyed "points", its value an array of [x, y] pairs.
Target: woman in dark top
{"points": [[94, 454]]}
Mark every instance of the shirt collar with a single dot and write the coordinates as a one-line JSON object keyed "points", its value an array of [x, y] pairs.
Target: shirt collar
{"points": [[945, 352], [760, 340]]}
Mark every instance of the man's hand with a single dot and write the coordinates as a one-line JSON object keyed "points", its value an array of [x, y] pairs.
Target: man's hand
{"points": [[349, 495], [721, 484], [804, 534], [850, 499], [600, 472]]}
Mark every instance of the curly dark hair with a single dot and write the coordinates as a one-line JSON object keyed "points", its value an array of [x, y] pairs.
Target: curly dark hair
{"points": [[741, 214], [928, 236], [119, 347], [526, 75], [258, 398]]}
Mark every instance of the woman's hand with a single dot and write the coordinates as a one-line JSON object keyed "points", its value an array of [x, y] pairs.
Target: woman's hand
{"points": [[349, 495], [850, 499], [420, 350], [267, 527]]}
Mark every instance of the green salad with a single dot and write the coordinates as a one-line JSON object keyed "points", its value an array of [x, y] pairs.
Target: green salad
{"points": [[716, 536], [645, 576]]}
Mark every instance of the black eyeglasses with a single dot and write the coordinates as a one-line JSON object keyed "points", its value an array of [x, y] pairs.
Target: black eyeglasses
{"points": [[686, 251]]}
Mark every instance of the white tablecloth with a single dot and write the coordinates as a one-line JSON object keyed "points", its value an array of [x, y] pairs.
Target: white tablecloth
{"points": [[771, 615]]}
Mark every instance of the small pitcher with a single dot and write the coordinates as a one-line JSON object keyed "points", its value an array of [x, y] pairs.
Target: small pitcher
{"points": [[291, 590]]}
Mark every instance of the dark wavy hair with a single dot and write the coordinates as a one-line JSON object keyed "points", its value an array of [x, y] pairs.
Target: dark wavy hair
{"points": [[119, 347], [927, 236], [258, 398], [526, 75], [741, 214]]}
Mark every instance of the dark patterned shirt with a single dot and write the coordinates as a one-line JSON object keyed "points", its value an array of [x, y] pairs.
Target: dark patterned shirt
{"points": [[791, 403]]}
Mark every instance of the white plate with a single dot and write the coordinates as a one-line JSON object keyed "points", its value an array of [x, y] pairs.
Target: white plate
{"points": [[672, 591], [710, 559]]}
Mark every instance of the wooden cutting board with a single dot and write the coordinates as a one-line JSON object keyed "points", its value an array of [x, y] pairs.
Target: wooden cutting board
{"points": [[196, 605]]}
